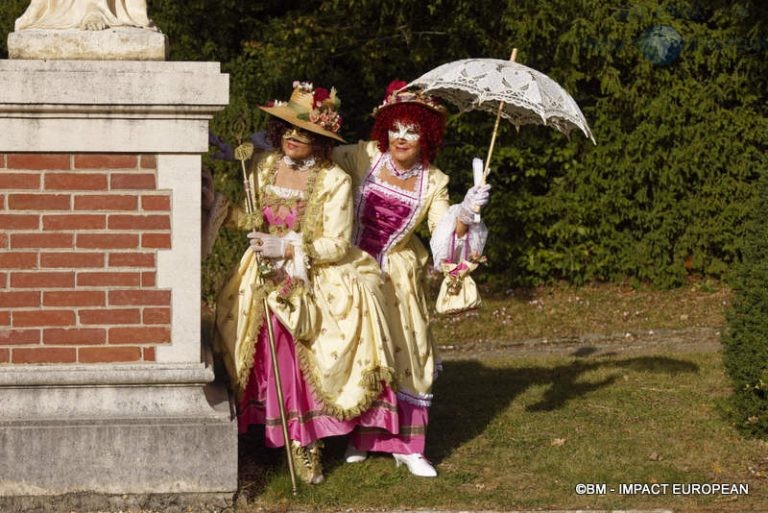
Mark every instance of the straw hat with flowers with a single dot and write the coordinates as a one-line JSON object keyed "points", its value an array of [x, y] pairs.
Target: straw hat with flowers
{"points": [[312, 109]]}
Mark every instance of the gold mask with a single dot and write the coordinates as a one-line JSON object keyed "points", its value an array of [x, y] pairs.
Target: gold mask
{"points": [[298, 135]]}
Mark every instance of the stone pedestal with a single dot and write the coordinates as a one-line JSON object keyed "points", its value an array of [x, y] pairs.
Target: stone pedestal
{"points": [[124, 43], [105, 389]]}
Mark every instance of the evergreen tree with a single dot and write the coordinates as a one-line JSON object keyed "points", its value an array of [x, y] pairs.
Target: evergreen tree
{"points": [[745, 340], [664, 194]]}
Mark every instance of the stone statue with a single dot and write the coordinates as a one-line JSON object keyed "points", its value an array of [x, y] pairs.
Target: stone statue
{"points": [[84, 14]]}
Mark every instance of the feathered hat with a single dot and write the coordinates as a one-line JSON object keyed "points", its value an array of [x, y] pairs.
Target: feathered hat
{"points": [[396, 95]]}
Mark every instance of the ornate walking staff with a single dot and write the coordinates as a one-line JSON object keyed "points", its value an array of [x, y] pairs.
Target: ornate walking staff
{"points": [[242, 153]]}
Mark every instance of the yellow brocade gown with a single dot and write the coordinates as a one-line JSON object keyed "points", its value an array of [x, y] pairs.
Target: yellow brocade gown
{"points": [[404, 260], [329, 296]]}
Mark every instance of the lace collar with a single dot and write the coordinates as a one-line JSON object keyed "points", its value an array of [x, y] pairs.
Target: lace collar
{"points": [[299, 165], [285, 192], [414, 170]]}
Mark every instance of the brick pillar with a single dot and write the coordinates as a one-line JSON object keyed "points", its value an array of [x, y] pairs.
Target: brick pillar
{"points": [[82, 233], [101, 364]]}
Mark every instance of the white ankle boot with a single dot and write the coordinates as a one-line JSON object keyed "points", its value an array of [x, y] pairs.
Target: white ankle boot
{"points": [[417, 464], [354, 455]]}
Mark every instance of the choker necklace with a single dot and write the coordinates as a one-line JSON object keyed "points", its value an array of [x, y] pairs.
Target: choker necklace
{"points": [[403, 175], [299, 165]]}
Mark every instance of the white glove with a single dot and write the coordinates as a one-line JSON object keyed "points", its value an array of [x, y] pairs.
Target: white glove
{"points": [[475, 199], [270, 246]]}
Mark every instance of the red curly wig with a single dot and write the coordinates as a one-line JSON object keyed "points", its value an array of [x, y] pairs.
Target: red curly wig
{"points": [[431, 127]]}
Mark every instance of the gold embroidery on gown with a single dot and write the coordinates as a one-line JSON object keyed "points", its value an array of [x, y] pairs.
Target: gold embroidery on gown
{"points": [[405, 263], [346, 359]]}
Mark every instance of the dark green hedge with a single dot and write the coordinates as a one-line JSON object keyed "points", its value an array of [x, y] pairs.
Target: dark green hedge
{"points": [[662, 196], [745, 339]]}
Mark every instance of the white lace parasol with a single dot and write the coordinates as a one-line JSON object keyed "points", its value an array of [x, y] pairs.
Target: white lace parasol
{"points": [[528, 96]]}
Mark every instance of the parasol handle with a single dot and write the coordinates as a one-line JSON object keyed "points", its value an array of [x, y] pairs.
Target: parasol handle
{"points": [[512, 58]]}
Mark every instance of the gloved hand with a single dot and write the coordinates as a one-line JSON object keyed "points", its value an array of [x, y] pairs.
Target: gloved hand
{"points": [[270, 246], [224, 150], [475, 199], [260, 141]]}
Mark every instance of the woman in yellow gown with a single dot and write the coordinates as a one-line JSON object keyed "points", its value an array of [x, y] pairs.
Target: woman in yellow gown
{"points": [[324, 294], [397, 188]]}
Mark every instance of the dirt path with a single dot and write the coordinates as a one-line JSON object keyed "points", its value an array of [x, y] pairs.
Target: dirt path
{"points": [[700, 339]]}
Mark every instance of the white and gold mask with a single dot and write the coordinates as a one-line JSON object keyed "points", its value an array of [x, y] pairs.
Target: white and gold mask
{"points": [[407, 131]]}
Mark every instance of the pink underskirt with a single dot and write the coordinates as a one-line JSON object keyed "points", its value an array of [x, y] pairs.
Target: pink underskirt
{"points": [[306, 420], [410, 440]]}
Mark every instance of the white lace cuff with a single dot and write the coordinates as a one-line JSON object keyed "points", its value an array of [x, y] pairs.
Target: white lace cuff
{"points": [[465, 216], [443, 238], [296, 267]]}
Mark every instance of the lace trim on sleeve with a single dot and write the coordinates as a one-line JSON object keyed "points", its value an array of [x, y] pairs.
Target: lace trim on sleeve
{"points": [[441, 240]]}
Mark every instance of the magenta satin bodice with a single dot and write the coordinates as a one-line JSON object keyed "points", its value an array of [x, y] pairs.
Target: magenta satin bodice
{"points": [[385, 213], [282, 216], [381, 217]]}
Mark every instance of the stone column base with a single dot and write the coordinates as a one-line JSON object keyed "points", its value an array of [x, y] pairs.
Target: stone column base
{"points": [[174, 503], [115, 430]]}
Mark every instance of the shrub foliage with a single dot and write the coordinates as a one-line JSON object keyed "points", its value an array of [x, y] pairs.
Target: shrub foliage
{"points": [[662, 196], [745, 340]]}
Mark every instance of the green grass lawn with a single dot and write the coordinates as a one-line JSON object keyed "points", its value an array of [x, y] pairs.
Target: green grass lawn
{"points": [[521, 434], [562, 312]]}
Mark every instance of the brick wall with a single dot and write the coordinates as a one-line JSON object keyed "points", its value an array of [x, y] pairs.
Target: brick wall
{"points": [[79, 235]]}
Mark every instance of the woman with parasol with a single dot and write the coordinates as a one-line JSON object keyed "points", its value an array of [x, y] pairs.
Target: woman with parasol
{"points": [[320, 295], [397, 188]]}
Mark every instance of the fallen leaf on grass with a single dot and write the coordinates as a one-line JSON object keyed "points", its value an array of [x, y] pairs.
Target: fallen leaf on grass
{"points": [[557, 442]]}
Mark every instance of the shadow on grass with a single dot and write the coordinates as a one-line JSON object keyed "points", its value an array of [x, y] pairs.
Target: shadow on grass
{"points": [[469, 395], [256, 463]]}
